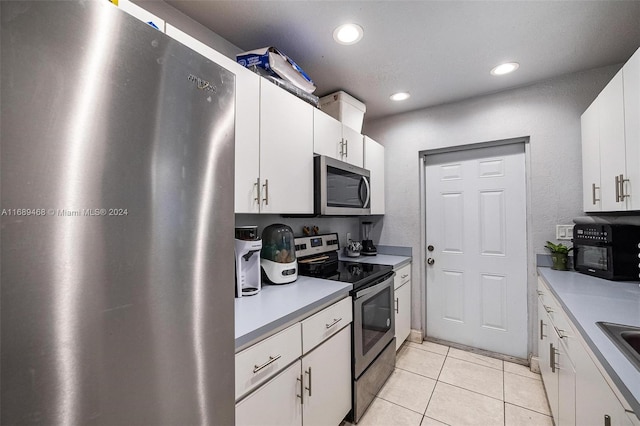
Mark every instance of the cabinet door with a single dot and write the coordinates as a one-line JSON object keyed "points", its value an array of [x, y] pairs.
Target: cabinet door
{"points": [[631, 76], [612, 145], [327, 381], [327, 135], [276, 403], [354, 146], [247, 149], [594, 398], [403, 313], [374, 162], [566, 387], [591, 189], [547, 344], [286, 151]]}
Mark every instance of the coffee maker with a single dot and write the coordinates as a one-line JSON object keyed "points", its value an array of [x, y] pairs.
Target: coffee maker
{"points": [[368, 249], [247, 250]]}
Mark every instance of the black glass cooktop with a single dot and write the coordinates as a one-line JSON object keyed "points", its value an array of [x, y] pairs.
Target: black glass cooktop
{"points": [[354, 273]]}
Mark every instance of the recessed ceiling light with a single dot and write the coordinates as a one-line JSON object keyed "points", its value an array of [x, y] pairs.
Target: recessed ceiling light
{"points": [[400, 96], [505, 68], [348, 34]]}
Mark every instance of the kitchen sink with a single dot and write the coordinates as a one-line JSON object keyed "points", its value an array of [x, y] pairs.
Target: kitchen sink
{"points": [[626, 338]]}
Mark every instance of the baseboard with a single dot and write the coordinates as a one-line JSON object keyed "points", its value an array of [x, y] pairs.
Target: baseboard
{"points": [[416, 336], [534, 364]]}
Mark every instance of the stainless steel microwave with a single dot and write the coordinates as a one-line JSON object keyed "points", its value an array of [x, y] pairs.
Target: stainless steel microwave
{"points": [[341, 189], [607, 251]]}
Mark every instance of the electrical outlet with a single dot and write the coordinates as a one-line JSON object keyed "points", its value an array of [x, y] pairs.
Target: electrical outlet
{"points": [[564, 232]]}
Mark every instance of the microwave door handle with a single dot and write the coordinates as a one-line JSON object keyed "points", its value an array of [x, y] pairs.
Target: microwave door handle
{"points": [[368, 187]]}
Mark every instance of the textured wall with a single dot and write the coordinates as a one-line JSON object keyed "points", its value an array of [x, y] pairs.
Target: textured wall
{"points": [[548, 112]]}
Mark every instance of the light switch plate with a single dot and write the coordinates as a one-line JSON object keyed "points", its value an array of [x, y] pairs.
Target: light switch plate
{"points": [[564, 232]]}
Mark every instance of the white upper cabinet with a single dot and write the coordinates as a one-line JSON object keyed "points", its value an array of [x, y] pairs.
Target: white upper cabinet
{"points": [[612, 159], [611, 144], [631, 76], [286, 151], [591, 192], [374, 162], [336, 140]]}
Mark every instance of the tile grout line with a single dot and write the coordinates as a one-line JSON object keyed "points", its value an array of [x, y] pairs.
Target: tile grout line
{"points": [[436, 384]]}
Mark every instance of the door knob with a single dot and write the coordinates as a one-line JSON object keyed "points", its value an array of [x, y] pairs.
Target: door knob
{"points": [[431, 261], [430, 247]]}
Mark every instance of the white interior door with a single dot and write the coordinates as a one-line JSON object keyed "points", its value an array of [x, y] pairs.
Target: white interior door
{"points": [[476, 223]]}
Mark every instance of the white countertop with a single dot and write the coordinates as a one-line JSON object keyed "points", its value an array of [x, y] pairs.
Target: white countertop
{"points": [[276, 306], [379, 259], [587, 300]]}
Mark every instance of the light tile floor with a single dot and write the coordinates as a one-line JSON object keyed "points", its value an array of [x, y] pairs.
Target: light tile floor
{"points": [[437, 385]]}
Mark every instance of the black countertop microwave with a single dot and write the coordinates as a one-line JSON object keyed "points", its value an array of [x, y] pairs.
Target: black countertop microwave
{"points": [[607, 251]]}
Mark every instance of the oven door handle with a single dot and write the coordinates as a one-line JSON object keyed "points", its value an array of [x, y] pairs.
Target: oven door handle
{"points": [[383, 282]]}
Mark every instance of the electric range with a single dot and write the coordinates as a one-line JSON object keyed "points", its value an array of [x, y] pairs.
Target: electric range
{"points": [[373, 329]]}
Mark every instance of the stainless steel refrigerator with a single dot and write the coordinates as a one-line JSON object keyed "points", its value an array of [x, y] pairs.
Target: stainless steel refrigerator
{"points": [[117, 282]]}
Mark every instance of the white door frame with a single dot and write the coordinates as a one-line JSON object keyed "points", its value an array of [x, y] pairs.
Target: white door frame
{"points": [[531, 263]]}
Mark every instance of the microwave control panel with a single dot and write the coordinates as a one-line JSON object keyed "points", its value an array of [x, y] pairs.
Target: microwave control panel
{"points": [[596, 233]]}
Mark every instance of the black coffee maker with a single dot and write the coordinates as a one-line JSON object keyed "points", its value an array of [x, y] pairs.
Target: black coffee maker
{"points": [[368, 249]]}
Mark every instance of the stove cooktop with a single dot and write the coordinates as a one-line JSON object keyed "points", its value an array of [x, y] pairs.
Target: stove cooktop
{"points": [[318, 257], [354, 273]]}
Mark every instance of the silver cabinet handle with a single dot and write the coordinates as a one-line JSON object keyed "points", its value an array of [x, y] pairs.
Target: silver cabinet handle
{"points": [[560, 333], [309, 373], [618, 189], [607, 420], [540, 293], [342, 152], [301, 396], [266, 191], [622, 194], [335, 321], [404, 276], [397, 306], [257, 185], [271, 360], [542, 336], [552, 358], [346, 150], [548, 309], [593, 193]]}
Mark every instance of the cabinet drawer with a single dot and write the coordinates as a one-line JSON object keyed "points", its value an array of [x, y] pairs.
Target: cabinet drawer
{"points": [[402, 276], [261, 361], [319, 327]]}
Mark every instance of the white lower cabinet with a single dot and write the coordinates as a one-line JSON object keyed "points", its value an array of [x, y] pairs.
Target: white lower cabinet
{"points": [[327, 381], [402, 290], [315, 389], [577, 391], [277, 403]]}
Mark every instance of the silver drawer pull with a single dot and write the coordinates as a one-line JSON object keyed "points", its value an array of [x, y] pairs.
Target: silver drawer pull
{"points": [[404, 276], [272, 359], [335, 321], [548, 309]]}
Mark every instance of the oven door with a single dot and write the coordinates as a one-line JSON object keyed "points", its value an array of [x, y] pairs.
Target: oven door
{"points": [[593, 259], [341, 188], [373, 321]]}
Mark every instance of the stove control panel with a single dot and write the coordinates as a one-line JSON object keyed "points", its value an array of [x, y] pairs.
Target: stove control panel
{"points": [[316, 244]]}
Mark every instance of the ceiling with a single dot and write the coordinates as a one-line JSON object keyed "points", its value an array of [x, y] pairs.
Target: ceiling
{"points": [[439, 51]]}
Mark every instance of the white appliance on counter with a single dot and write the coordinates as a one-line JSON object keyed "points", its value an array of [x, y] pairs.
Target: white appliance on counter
{"points": [[247, 250]]}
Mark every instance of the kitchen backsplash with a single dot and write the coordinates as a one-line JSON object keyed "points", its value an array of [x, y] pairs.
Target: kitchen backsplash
{"points": [[341, 225]]}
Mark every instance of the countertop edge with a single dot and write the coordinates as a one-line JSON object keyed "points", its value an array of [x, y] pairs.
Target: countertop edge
{"points": [[622, 387], [269, 329]]}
